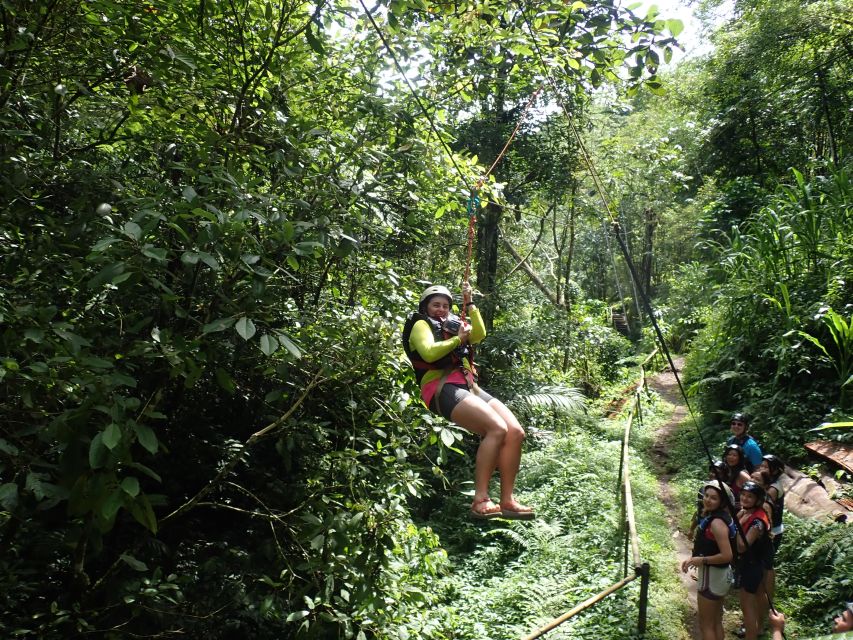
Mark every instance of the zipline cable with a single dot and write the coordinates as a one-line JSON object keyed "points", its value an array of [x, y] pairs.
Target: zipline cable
{"points": [[630, 264]]}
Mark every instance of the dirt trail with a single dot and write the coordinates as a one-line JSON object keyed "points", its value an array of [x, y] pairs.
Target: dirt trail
{"points": [[665, 384]]}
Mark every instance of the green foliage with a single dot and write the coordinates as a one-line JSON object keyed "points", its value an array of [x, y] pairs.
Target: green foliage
{"points": [[204, 209], [774, 92], [782, 272], [814, 579], [563, 399], [686, 308], [841, 332], [511, 577]]}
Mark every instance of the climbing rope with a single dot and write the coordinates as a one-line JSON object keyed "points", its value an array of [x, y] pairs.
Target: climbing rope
{"points": [[473, 204]]}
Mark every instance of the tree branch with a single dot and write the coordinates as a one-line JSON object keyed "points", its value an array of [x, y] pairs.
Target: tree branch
{"points": [[228, 467], [534, 277]]}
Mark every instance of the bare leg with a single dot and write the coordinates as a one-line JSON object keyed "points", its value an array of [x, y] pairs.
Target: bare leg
{"points": [[478, 417], [750, 614], [509, 457], [770, 593], [710, 618]]}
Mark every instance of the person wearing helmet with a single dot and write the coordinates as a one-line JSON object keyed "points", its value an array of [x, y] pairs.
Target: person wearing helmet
{"points": [[440, 348], [771, 469], [716, 471], [842, 625], [755, 525], [712, 556], [740, 435], [736, 473]]}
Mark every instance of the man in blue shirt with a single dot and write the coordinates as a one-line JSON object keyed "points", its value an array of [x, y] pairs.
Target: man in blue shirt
{"points": [[740, 435]]}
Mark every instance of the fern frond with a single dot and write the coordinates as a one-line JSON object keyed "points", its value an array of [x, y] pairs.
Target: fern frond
{"points": [[564, 399]]}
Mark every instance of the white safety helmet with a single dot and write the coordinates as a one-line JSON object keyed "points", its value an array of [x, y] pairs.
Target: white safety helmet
{"points": [[729, 494], [435, 290]]}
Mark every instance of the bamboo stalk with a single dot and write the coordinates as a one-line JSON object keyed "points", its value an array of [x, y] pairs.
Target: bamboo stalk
{"points": [[629, 500], [583, 605]]}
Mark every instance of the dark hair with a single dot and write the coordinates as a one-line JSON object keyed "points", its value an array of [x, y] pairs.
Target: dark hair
{"points": [[775, 464], [741, 464]]}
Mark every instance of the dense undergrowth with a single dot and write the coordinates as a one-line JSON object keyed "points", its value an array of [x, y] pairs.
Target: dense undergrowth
{"points": [[774, 338], [505, 579]]}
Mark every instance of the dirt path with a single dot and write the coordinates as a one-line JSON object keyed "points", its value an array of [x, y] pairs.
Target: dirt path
{"points": [[665, 384]]}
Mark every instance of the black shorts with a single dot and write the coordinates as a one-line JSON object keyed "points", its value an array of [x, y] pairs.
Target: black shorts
{"points": [[451, 395], [751, 575]]}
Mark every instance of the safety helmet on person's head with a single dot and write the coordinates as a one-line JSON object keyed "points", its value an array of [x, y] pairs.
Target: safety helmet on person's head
{"points": [[755, 489], [721, 488], [775, 465], [734, 447], [434, 290], [741, 417]]}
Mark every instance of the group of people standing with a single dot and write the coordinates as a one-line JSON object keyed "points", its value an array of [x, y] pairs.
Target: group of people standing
{"points": [[737, 531]]}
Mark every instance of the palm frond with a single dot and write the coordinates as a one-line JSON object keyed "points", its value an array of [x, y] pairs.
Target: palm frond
{"points": [[564, 399]]}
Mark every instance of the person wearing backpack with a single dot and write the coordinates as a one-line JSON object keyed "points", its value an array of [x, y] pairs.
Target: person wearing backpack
{"points": [[755, 525], [771, 469], [712, 556], [441, 349]]}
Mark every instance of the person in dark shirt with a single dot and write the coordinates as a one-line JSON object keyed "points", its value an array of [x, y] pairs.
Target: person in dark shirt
{"points": [[755, 524], [712, 556]]}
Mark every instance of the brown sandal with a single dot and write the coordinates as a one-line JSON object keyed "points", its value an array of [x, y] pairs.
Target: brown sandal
{"points": [[520, 513], [484, 515]]}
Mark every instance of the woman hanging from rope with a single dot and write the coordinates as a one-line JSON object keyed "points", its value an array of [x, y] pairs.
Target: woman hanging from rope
{"points": [[440, 347]]}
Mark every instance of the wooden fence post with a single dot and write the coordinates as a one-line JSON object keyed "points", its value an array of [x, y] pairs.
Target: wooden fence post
{"points": [[644, 598]]}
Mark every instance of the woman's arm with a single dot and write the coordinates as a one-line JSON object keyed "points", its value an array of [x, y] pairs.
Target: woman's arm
{"points": [[721, 535], [755, 532], [422, 341], [478, 327]]}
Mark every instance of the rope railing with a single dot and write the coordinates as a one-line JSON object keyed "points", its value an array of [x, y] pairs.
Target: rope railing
{"points": [[641, 569]]}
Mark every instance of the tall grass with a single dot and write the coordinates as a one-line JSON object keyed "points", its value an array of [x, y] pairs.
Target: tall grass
{"points": [[776, 336]]}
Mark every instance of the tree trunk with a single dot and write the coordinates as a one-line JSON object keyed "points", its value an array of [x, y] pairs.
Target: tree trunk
{"points": [[567, 277], [821, 79], [488, 236], [651, 221], [753, 136], [534, 277]]}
